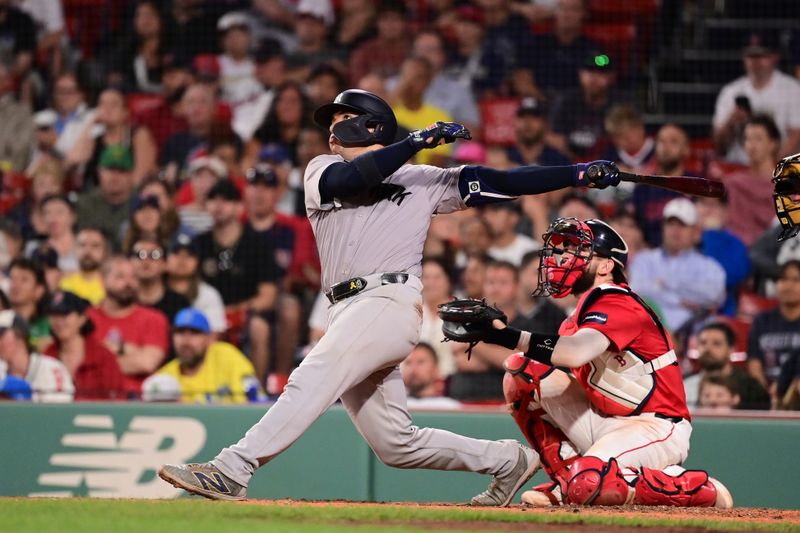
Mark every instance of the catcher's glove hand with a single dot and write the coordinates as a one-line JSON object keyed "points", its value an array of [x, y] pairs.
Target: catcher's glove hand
{"points": [[439, 133], [469, 321]]}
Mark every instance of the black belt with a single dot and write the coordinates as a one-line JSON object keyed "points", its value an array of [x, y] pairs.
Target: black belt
{"points": [[353, 286], [673, 419]]}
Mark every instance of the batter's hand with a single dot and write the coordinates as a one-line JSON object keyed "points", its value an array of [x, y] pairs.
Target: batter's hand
{"points": [[439, 133], [597, 174]]}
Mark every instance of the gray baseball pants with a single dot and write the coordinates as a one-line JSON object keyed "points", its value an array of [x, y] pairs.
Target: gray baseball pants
{"points": [[368, 336]]}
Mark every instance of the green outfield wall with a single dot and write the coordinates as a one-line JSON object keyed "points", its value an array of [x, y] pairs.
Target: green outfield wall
{"points": [[113, 450]]}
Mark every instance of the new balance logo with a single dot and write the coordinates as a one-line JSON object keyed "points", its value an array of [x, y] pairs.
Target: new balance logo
{"points": [[217, 484]]}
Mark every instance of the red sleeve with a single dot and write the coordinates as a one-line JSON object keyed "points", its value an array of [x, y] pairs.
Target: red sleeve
{"points": [[616, 316], [155, 329]]}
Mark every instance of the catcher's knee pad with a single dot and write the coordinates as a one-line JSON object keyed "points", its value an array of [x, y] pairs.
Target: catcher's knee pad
{"points": [[691, 488], [521, 390], [593, 481]]}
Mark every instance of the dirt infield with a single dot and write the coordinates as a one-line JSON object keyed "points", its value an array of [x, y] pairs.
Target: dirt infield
{"points": [[576, 518]]}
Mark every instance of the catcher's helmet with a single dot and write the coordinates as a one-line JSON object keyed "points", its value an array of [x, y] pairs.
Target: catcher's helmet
{"points": [[373, 112], [786, 192], [569, 245]]}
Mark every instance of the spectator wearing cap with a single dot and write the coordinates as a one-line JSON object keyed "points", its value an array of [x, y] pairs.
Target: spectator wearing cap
{"points": [[27, 293], [58, 218], [289, 114], [203, 173], [72, 111], [773, 350], [170, 221], [385, 54], [145, 223], [530, 134], [507, 244], [48, 377], [261, 197], [107, 206], [749, 190], [183, 277], [150, 260], [413, 111], [208, 371], [269, 73], [93, 248], [112, 127], [164, 118], [763, 89], [681, 281], [671, 152], [137, 63], [16, 125], [45, 138], [93, 368], [579, 114], [138, 335], [312, 25], [241, 266], [556, 57]]}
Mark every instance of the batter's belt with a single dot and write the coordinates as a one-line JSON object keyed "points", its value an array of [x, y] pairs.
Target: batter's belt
{"points": [[351, 287]]}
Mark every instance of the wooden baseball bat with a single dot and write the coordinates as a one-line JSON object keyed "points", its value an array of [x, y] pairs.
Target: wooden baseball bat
{"points": [[682, 184]]}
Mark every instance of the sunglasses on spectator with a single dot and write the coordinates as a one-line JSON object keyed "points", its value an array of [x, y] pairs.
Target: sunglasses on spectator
{"points": [[141, 255]]}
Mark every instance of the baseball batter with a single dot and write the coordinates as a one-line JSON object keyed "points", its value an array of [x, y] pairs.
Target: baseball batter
{"points": [[603, 401], [370, 212]]}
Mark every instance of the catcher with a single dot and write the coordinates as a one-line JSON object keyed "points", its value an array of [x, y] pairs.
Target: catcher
{"points": [[786, 180], [603, 401]]}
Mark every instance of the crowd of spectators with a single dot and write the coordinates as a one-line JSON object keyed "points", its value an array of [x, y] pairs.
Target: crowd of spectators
{"points": [[153, 239]]}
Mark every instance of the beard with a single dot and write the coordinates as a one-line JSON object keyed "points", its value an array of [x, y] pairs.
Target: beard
{"points": [[669, 166], [189, 358], [709, 363], [124, 298], [88, 264], [585, 282]]}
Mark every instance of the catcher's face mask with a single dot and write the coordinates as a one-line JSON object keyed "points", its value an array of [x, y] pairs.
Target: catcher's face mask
{"points": [[786, 193], [565, 256]]}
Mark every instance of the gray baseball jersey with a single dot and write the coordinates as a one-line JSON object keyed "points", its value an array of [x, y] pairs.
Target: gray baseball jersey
{"points": [[384, 231]]}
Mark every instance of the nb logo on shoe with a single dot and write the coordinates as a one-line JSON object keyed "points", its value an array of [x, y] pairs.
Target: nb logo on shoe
{"points": [[216, 484]]}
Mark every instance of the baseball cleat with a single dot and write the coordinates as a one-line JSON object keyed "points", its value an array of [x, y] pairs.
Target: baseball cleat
{"points": [[724, 499], [503, 488], [544, 495], [203, 479]]}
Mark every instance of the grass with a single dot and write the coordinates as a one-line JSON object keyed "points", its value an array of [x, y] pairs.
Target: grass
{"points": [[87, 515]]}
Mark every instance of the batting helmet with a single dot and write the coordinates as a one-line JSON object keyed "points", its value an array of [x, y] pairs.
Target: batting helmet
{"points": [[373, 113], [786, 193], [569, 245]]}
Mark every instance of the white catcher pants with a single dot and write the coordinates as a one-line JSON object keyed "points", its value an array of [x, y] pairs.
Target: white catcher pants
{"points": [[368, 336]]}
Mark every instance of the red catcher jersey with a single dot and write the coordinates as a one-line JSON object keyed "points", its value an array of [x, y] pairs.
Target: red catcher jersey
{"points": [[635, 338]]}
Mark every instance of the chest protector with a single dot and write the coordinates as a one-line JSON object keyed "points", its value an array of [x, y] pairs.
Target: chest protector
{"points": [[619, 383]]}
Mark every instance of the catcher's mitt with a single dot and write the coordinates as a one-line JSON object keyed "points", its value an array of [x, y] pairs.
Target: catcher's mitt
{"points": [[469, 321]]}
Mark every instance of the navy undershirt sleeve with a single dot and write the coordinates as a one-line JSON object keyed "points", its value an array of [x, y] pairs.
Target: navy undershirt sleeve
{"points": [[364, 172], [481, 185]]}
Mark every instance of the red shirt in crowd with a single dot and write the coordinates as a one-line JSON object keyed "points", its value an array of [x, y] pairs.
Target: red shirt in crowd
{"points": [[141, 327], [633, 335], [98, 377]]}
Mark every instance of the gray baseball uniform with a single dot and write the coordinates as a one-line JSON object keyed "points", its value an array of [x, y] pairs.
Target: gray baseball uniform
{"points": [[370, 333]]}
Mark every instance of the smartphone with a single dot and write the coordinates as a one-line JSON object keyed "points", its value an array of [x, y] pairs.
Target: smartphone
{"points": [[743, 103]]}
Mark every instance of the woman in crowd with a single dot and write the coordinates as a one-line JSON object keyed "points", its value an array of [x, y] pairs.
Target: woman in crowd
{"points": [[289, 114], [58, 218], [94, 369], [112, 126]]}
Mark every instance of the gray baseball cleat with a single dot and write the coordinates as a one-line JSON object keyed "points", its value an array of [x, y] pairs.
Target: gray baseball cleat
{"points": [[503, 488], [203, 479]]}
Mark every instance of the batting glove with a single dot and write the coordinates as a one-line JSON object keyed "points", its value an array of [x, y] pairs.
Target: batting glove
{"points": [[597, 174], [433, 135]]}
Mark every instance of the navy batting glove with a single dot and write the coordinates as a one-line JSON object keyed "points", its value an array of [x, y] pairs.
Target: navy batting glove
{"points": [[433, 135], [596, 174]]}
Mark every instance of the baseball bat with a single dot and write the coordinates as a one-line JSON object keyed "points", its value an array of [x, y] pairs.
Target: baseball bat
{"points": [[683, 184]]}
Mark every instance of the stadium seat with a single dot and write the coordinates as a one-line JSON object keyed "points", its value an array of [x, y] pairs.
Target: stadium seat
{"points": [[751, 304], [498, 117], [139, 103], [622, 10]]}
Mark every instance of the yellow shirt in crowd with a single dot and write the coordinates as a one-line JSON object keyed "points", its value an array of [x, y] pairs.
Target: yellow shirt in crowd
{"points": [[90, 289], [421, 119], [224, 376]]}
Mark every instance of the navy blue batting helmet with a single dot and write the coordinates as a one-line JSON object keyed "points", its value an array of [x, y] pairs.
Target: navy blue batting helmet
{"points": [[373, 113]]}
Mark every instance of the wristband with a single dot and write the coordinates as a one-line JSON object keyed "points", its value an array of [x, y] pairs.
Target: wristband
{"points": [[541, 347], [507, 337]]}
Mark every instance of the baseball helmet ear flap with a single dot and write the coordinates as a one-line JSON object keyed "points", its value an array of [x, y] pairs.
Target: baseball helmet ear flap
{"points": [[375, 123], [607, 242]]}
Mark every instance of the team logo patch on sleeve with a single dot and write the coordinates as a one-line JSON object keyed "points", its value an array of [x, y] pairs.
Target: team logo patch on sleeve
{"points": [[474, 186], [595, 318]]}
